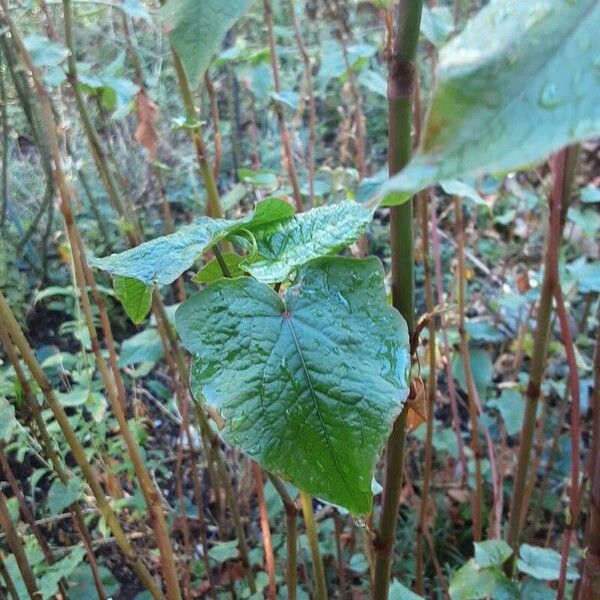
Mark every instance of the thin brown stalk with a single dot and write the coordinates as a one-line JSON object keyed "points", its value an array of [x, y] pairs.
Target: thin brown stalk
{"points": [[452, 394], [265, 529], [573, 514], [216, 124], [422, 526], [10, 586], [477, 497], [312, 106], [590, 584], [283, 130], [17, 549], [563, 168]]}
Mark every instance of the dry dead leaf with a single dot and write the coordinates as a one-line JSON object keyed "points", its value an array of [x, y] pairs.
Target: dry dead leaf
{"points": [[148, 113]]}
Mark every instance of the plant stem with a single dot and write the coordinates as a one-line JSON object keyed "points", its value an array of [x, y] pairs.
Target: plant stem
{"points": [[590, 584], [283, 130], [17, 549], [264, 526], [477, 497], [10, 586], [402, 73], [291, 513], [312, 107], [313, 540], [431, 394], [559, 200]]}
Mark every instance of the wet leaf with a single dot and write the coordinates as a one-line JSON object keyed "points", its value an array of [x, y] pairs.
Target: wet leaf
{"points": [[309, 384], [516, 85]]}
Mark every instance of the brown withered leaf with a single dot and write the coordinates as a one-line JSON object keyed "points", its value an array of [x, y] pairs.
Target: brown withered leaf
{"points": [[148, 113], [416, 405]]}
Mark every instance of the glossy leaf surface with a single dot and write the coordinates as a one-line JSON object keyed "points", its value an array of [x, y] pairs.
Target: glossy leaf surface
{"points": [[517, 84], [286, 245], [307, 384]]}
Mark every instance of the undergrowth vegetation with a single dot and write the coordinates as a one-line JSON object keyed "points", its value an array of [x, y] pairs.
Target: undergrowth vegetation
{"points": [[299, 299]]}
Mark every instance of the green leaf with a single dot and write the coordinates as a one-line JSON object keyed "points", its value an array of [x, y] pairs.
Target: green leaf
{"points": [[590, 194], [212, 271], [60, 496], [437, 24], [401, 592], [197, 28], [308, 384], [164, 259], [453, 187], [8, 422], [534, 589], [481, 366], [491, 553], [82, 586], [224, 551], [543, 563], [471, 582], [135, 296], [511, 406], [586, 274], [508, 93], [136, 10], [45, 53], [145, 346], [288, 244], [59, 570], [374, 82]]}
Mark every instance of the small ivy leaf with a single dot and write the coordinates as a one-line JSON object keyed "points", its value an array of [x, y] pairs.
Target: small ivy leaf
{"points": [[543, 563], [507, 95], [59, 570], [321, 231], [136, 10], [145, 346], [60, 496], [492, 553], [437, 24], [45, 53], [135, 296], [309, 384], [224, 551], [82, 586], [197, 30]]}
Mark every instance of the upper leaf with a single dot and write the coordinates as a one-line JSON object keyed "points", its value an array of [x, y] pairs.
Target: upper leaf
{"points": [[308, 384], [284, 246], [517, 84], [164, 259], [197, 28]]}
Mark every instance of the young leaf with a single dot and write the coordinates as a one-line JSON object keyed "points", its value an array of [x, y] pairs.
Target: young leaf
{"points": [[212, 271], [508, 93], [288, 244], [197, 28], [135, 296], [164, 259], [308, 384]]}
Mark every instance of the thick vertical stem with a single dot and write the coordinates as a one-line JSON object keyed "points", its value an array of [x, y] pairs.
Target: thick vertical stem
{"points": [[313, 540], [283, 130], [559, 198], [402, 73]]}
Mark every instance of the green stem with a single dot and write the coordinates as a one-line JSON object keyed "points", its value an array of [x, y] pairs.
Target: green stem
{"points": [[291, 514], [313, 540], [400, 94]]}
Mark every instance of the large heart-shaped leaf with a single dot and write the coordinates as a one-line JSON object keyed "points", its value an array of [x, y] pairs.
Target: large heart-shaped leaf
{"points": [[307, 384], [518, 83], [197, 28], [285, 245]]}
